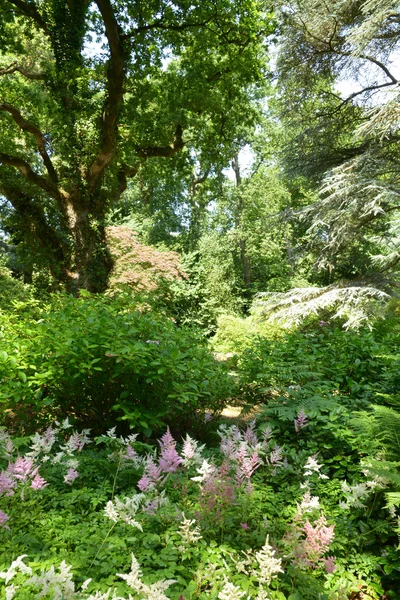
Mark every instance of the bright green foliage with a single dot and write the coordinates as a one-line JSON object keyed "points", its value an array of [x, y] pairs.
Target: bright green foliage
{"points": [[89, 91], [328, 366], [98, 363]]}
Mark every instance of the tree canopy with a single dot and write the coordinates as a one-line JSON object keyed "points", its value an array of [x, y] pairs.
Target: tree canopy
{"points": [[89, 91]]}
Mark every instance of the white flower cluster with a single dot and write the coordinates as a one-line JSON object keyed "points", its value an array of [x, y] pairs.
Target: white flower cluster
{"points": [[58, 582], [269, 566], [125, 510], [191, 451], [312, 466], [354, 493], [230, 592], [189, 533], [204, 471], [308, 503], [155, 591]]}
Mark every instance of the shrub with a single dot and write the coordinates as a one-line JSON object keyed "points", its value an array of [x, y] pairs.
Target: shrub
{"points": [[93, 360]]}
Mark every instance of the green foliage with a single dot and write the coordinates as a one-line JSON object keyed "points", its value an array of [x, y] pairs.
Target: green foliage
{"points": [[330, 360], [12, 290], [95, 361]]}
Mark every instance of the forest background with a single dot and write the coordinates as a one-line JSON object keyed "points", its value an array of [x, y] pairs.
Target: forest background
{"points": [[199, 207]]}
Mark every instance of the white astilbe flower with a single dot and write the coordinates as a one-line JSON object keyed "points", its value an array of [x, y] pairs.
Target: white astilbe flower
{"points": [[42, 443], [231, 591], [191, 451], [6, 442], [110, 511], [76, 442], [262, 594], [312, 466], [308, 503], [17, 565], [189, 533], [269, 566], [354, 494], [205, 471], [125, 510], [59, 585], [11, 591], [155, 591]]}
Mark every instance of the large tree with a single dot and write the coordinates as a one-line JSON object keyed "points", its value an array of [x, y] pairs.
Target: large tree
{"points": [[89, 91], [345, 139]]}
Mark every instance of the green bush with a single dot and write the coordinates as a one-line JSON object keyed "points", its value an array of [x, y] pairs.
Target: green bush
{"points": [[330, 363], [236, 334], [96, 362]]}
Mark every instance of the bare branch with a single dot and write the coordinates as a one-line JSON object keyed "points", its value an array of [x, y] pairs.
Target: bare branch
{"points": [[39, 137], [25, 71], [115, 74]]}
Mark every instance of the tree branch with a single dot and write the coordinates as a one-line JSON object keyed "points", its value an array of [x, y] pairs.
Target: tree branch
{"points": [[165, 151], [13, 67], [35, 223], [39, 137], [29, 174], [159, 24], [29, 9], [115, 74], [123, 174]]}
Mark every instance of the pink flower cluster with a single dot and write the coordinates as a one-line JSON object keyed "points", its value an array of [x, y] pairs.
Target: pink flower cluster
{"points": [[169, 461], [22, 471], [318, 538]]}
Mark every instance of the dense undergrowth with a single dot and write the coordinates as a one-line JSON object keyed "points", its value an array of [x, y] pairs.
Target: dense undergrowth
{"points": [[297, 502]]}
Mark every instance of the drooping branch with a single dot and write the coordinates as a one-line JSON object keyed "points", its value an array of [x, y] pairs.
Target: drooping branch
{"points": [[38, 135], [164, 151], [115, 74], [30, 10], [25, 71], [29, 174]]}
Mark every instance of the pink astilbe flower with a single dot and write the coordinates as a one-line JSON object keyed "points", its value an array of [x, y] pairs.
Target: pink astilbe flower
{"points": [[246, 465], [218, 492], [71, 475], [329, 564], [318, 539], [228, 447], [300, 421], [77, 441], [151, 477], [131, 454], [250, 435], [169, 460], [3, 519], [23, 469], [275, 457], [38, 483], [7, 484]]}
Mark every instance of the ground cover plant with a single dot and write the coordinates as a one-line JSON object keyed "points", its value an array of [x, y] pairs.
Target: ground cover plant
{"points": [[280, 509]]}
